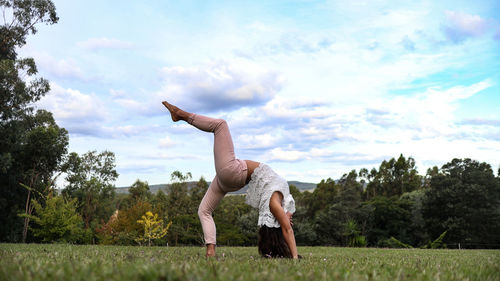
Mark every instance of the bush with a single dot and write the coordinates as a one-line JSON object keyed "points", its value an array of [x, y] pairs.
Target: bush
{"points": [[438, 243], [58, 221], [351, 232], [392, 243], [122, 227], [357, 241]]}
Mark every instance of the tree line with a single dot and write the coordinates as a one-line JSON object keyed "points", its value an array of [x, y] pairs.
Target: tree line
{"points": [[392, 206], [389, 206]]}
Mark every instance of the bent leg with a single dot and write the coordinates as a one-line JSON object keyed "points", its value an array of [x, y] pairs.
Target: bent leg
{"points": [[223, 142], [207, 206]]}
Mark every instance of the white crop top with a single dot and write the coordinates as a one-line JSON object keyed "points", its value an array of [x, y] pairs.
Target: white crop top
{"points": [[264, 181]]}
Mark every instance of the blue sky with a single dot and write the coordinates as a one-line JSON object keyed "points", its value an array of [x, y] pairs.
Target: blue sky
{"points": [[313, 88]]}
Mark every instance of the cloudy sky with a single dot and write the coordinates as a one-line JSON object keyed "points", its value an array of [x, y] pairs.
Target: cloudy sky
{"points": [[313, 88]]}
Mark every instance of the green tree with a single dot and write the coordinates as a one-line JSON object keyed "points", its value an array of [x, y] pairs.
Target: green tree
{"points": [[247, 224], [305, 233], [20, 19], [43, 148], [21, 125], [390, 217], [159, 201], [90, 179], [464, 199], [316, 219], [329, 225], [303, 224], [334, 205], [140, 191], [321, 197], [417, 231], [198, 191], [295, 192], [393, 178], [431, 172], [177, 197], [182, 211], [227, 217], [57, 221], [350, 190]]}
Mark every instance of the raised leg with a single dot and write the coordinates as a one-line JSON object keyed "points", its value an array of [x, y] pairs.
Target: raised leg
{"points": [[223, 143]]}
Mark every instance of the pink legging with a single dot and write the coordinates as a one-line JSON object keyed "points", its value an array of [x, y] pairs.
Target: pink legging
{"points": [[230, 173]]}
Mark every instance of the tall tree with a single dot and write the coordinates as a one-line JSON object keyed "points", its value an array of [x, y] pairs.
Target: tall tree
{"points": [[198, 191], [177, 198], [140, 191], [417, 231], [91, 179], [321, 197], [21, 125], [464, 199], [394, 177], [391, 217], [337, 205], [182, 209], [20, 19], [42, 151]]}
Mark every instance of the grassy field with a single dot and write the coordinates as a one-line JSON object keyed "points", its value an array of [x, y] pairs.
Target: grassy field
{"points": [[68, 262]]}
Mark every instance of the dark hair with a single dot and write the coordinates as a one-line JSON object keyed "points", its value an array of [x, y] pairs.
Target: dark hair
{"points": [[272, 244]]}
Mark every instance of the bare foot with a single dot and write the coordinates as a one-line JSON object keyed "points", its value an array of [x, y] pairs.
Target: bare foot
{"points": [[174, 111], [210, 250]]}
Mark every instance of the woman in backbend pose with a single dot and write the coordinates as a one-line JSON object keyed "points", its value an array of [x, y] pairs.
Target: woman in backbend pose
{"points": [[266, 190]]}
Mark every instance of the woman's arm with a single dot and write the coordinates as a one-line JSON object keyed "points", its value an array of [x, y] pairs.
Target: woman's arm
{"points": [[279, 213]]}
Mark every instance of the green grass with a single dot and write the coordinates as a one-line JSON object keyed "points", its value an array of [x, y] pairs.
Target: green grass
{"points": [[68, 262]]}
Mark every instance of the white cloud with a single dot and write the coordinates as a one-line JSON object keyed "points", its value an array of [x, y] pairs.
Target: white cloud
{"points": [[431, 113], [257, 141], [313, 99], [117, 93], [143, 107], [215, 86], [220, 85], [127, 130], [286, 155], [296, 108], [460, 25], [481, 122], [78, 112], [105, 43], [364, 132], [60, 68], [167, 142], [468, 24], [73, 105]]}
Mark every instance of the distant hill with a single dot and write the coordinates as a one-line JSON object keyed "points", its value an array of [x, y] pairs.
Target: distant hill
{"points": [[303, 186], [154, 188]]}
